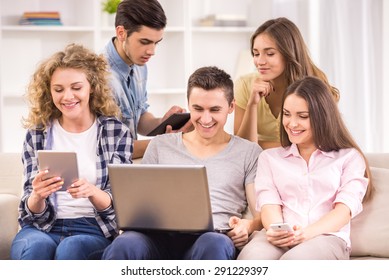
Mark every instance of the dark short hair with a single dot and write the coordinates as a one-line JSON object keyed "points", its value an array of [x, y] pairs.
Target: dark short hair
{"points": [[133, 14], [211, 77]]}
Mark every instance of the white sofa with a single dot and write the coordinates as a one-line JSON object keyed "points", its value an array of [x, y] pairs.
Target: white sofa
{"points": [[369, 230], [11, 174]]}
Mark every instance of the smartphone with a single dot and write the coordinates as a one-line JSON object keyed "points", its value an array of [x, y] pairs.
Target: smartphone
{"points": [[223, 230], [281, 227], [176, 120]]}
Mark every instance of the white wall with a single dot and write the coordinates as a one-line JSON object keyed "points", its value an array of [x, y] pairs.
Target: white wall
{"points": [[385, 71], [347, 39]]}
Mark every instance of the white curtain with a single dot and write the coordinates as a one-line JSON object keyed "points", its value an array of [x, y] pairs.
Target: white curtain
{"points": [[345, 41]]}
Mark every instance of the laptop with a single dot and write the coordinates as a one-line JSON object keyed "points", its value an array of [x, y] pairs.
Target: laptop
{"points": [[161, 197]]}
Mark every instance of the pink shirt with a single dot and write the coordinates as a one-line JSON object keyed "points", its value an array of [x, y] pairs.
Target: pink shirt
{"points": [[306, 192]]}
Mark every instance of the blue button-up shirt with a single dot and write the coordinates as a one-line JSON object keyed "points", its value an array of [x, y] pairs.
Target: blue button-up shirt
{"points": [[129, 87]]}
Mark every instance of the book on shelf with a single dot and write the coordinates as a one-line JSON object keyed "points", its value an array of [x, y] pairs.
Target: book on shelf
{"points": [[223, 20], [40, 18]]}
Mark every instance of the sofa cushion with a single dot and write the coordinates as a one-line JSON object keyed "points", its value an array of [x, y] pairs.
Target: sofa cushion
{"points": [[370, 229], [11, 174], [380, 160], [8, 222]]}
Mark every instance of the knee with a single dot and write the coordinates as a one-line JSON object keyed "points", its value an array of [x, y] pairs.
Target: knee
{"points": [[214, 240], [71, 248], [81, 247], [214, 246], [68, 249], [32, 248], [256, 248], [129, 240], [128, 246], [249, 252]]}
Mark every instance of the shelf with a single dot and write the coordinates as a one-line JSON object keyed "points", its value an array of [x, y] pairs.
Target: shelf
{"points": [[168, 29], [169, 91], [227, 29], [14, 100], [163, 91], [61, 28], [13, 95]]}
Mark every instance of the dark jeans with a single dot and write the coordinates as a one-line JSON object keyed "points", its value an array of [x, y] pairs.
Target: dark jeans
{"points": [[132, 245], [69, 239]]}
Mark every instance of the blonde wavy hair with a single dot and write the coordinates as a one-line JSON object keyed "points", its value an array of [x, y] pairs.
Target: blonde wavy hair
{"points": [[74, 56]]}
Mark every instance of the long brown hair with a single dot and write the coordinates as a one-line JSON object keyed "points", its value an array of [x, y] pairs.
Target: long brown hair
{"points": [[291, 45], [328, 128]]}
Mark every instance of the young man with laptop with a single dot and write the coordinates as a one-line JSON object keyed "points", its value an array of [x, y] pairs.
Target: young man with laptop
{"points": [[230, 163]]}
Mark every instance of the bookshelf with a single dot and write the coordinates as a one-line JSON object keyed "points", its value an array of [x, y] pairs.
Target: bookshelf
{"points": [[41, 18], [185, 47]]}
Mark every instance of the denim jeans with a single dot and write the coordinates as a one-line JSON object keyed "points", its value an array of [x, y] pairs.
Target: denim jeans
{"points": [[69, 239], [132, 245]]}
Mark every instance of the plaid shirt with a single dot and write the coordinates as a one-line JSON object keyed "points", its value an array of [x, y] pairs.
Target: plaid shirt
{"points": [[114, 145]]}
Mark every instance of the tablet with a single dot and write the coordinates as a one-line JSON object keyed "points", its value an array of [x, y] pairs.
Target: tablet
{"points": [[176, 120], [61, 164]]}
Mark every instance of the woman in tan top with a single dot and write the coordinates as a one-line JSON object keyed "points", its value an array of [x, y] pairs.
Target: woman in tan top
{"points": [[281, 57]]}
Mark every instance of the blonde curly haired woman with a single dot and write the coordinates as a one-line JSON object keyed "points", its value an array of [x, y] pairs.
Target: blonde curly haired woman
{"points": [[71, 109]]}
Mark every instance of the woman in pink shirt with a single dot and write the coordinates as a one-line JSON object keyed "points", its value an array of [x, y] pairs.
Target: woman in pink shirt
{"points": [[316, 182]]}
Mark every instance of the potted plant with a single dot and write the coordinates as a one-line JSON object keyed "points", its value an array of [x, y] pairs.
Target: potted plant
{"points": [[109, 8]]}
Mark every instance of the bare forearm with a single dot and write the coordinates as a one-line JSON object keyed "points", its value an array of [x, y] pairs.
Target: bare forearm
{"points": [[140, 147], [36, 205], [271, 214], [147, 122], [331, 222], [100, 200], [256, 223], [247, 128]]}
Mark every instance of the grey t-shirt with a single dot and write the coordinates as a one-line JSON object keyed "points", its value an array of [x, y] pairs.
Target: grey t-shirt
{"points": [[228, 172]]}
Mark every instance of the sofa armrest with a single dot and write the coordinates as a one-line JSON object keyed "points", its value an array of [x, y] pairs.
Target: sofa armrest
{"points": [[380, 160], [370, 229], [8, 223], [11, 187]]}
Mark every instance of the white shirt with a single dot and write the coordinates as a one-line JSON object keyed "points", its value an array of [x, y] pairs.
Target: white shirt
{"points": [[84, 144]]}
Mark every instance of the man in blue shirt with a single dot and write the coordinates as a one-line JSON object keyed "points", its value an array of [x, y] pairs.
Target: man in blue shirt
{"points": [[139, 27]]}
